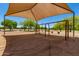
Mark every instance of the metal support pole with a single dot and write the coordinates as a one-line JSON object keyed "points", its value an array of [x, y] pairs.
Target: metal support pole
{"points": [[30, 25], [4, 25], [49, 40], [73, 24], [48, 29], [66, 29], [39, 29], [36, 28], [42, 28], [45, 30]]}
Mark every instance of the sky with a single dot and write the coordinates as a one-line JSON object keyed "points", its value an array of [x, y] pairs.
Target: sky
{"points": [[4, 7]]}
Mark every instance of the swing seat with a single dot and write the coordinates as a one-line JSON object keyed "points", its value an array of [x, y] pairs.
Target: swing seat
{"points": [[58, 32], [51, 31]]}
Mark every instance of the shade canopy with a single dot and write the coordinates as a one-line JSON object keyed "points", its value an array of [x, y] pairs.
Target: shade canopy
{"points": [[37, 11]]}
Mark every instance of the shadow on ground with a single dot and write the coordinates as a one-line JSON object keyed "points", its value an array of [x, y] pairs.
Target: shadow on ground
{"points": [[39, 45]]}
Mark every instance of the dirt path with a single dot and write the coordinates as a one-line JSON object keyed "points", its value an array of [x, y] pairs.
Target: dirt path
{"points": [[52, 32], [38, 45], [2, 44]]}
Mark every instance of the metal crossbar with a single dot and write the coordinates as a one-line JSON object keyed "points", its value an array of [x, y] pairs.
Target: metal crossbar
{"points": [[66, 28]]}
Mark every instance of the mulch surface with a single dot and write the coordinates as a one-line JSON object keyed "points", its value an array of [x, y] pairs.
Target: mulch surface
{"points": [[39, 45]]}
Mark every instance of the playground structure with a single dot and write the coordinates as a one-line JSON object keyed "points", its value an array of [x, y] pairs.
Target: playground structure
{"points": [[37, 11]]}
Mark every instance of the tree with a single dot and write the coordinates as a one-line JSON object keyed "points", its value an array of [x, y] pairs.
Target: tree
{"points": [[77, 27], [70, 19], [59, 26], [9, 24], [29, 23], [14, 24]]}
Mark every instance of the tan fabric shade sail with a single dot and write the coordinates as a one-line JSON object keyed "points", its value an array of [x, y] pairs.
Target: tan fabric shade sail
{"points": [[37, 11]]}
